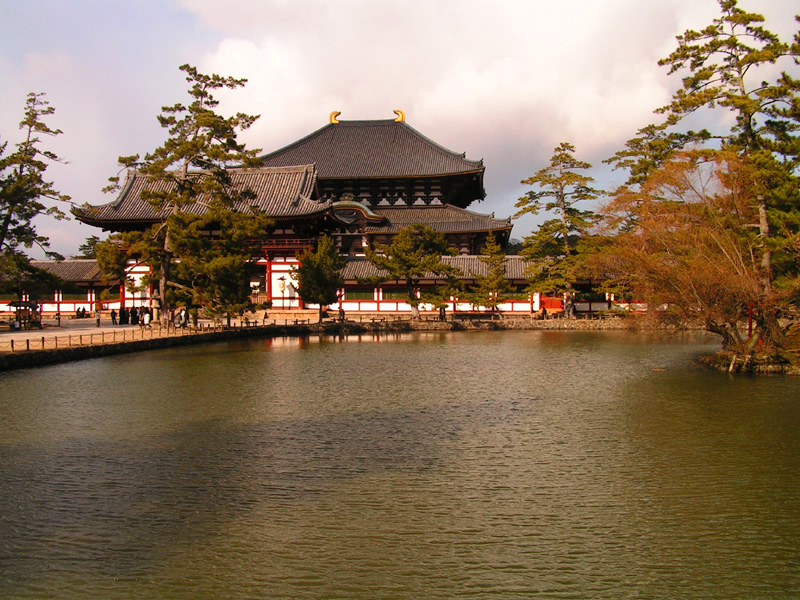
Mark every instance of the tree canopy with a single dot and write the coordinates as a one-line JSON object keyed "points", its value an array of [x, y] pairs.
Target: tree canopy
{"points": [[553, 249], [493, 288], [415, 252], [24, 191], [192, 166], [318, 274], [708, 222]]}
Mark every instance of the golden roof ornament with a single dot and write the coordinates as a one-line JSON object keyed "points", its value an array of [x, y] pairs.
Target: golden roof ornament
{"points": [[401, 116], [333, 116]]}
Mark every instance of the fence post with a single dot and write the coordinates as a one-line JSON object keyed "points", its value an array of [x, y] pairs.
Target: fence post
{"points": [[12, 346], [27, 344], [42, 342]]}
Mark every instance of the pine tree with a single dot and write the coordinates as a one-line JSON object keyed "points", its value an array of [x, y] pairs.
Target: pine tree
{"points": [[552, 250], [492, 288], [23, 187], [415, 252], [728, 76], [190, 166], [318, 274]]}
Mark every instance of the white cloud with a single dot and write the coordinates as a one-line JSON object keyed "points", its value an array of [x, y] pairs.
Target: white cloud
{"points": [[504, 81]]}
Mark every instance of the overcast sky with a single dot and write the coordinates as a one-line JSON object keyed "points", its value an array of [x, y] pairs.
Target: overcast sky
{"points": [[504, 81]]}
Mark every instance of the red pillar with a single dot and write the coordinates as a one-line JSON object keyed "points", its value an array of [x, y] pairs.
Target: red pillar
{"points": [[269, 278]]}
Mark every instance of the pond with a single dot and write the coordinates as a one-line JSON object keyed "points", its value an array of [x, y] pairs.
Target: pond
{"points": [[528, 464]]}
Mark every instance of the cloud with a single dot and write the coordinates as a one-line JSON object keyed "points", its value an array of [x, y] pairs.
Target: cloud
{"points": [[505, 84], [505, 81]]}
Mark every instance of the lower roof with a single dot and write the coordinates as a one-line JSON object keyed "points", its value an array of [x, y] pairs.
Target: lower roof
{"points": [[285, 192], [73, 270], [471, 266], [86, 270], [443, 219]]}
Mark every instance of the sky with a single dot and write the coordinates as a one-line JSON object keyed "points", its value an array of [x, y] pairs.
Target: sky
{"points": [[503, 81]]}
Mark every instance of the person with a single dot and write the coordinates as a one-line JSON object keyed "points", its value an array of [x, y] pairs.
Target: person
{"points": [[146, 319], [123, 316], [184, 318], [113, 317], [341, 315], [97, 316], [134, 316]]}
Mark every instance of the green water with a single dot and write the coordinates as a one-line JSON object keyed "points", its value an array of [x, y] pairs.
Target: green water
{"points": [[475, 465]]}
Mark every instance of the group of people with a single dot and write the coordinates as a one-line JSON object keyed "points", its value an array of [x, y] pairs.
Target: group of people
{"points": [[138, 315], [141, 316], [181, 318]]}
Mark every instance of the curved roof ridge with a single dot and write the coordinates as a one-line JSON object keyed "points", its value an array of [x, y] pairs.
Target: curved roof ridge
{"points": [[280, 192], [472, 212], [412, 130], [296, 143], [383, 148], [427, 140]]}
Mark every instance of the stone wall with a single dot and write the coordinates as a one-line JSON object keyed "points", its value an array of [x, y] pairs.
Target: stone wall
{"points": [[36, 358]]}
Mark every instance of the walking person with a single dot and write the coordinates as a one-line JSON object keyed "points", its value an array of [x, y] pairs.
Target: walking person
{"points": [[113, 317]]}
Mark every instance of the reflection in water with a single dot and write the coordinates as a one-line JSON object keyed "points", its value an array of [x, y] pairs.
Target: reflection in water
{"points": [[516, 464]]}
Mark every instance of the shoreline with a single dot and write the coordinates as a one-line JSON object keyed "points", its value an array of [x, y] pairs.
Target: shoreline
{"points": [[25, 359], [22, 359]]}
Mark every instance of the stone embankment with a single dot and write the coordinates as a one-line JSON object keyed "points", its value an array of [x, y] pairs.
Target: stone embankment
{"points": [[788, 363], [38, 350], [35, 351], [728, 362]]}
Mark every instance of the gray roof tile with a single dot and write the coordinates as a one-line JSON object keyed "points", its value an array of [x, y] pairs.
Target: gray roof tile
{"points": [[73, 269], [444, 219], [283, 192], [372, 149], [470, 266]]}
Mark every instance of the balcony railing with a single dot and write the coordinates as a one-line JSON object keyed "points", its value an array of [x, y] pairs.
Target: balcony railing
{"points": [[287, 244]]}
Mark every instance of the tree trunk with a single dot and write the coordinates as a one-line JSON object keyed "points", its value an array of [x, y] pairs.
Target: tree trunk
{"points": [[731, 340], [163, 280], [412, 297], [5, 226], [766, 257]]}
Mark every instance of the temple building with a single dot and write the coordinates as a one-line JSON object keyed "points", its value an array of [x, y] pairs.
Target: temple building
{"points": [[359, 182]]}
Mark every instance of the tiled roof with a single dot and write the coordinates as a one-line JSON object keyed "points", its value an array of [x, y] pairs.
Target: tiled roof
{"points": [[444, 219], [73, 269], [280, 192], [372, 149], [471, 266]]}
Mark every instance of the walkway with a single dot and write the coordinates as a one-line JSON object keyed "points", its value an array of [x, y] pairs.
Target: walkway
{"points": [[74, 333]]}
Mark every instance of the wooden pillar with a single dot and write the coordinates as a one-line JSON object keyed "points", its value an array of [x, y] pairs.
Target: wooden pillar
{"points": [[269, 277]]}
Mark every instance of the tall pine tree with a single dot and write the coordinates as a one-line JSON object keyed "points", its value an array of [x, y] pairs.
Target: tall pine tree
{"points": [[191, 166]]}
